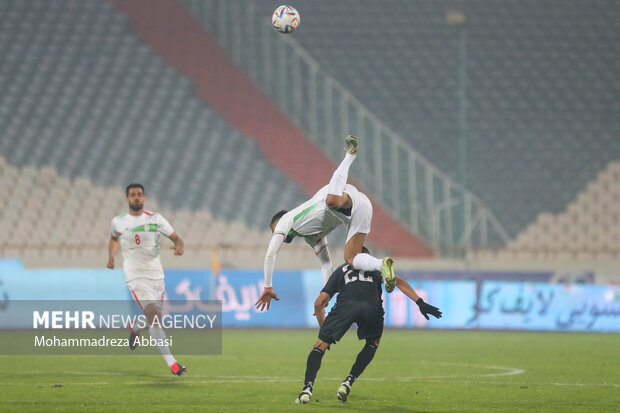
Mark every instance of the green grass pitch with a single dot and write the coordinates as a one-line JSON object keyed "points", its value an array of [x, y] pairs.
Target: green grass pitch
{"points": [[262, 371]]}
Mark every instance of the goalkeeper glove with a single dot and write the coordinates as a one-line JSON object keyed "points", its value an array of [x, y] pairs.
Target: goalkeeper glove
{"points": [[427, 309]]}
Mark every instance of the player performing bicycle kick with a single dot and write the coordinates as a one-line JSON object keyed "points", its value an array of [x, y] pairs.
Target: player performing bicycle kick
{"points": [[337, 203]]}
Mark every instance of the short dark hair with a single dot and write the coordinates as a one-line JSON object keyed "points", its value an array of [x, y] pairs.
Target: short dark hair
{"points": [[134, 185], [277, 216]]}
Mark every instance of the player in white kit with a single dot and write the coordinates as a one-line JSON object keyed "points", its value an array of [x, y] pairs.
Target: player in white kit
{"points": [[137, 232], [333, 205]]}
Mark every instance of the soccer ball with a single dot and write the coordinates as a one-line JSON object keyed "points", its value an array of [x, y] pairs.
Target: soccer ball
{"points": [[285, 19]]}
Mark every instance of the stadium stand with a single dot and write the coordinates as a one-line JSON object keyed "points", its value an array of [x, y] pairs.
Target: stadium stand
{"points": [[172, 31], [88, 108], [542, 88], [84, 95], [54, 220], [589, 226], [81, 89]]}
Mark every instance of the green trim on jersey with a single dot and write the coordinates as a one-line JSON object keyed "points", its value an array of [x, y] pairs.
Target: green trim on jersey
{"points": [[145, 228], [293, 233], [304, 212]]}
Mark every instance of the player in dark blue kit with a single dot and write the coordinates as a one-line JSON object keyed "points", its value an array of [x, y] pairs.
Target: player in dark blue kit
{"points": [[359, 301]]}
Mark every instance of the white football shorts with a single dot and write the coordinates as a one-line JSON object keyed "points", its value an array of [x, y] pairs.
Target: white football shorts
{"points": [[146, 291], [361, 214]]}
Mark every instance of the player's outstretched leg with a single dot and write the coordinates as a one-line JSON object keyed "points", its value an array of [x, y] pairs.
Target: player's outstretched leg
{"points": [[339, 178], [158, 334], [312, 368], [366, 262], [153, 315], [363, 360]]}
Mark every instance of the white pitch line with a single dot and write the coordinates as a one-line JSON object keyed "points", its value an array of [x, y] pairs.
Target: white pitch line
{"points": [[72, 372], [223, 379], [587, 384], [181, 381], [532, 384], [508, 371], [241, 381], [63, 384], [511, 371]]}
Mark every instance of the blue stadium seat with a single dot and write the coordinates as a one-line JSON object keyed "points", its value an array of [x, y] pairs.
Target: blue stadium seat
{"points": [[543, 87], [82, 93]]}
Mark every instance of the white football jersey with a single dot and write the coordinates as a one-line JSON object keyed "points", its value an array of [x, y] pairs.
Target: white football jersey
{"points": [[139, 240], [313, 220]]}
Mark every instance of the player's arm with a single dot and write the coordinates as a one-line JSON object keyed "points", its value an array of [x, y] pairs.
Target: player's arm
{"points": [[331, 287], [270, 263], [179, 245], [112, 249], [164, 227], [319, 307], [270, 258], [322, 252], [424, 307], [406, 289]]}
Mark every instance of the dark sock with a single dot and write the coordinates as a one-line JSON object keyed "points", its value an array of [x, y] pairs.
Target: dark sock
{"points": [[363, 359], [313, 366]]}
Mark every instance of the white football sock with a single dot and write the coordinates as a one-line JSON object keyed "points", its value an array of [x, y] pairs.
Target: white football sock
{"points": [[158, 333], [139, 327], [367, 262], [339, 178]]}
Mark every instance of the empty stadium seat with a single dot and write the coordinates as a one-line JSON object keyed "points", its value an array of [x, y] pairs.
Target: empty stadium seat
{"points": [[588, 227], [541, 86], [85, 98], [43, 228]]}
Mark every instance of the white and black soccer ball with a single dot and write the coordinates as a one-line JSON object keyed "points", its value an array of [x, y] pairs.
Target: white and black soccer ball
{"points": [[286, 19]]}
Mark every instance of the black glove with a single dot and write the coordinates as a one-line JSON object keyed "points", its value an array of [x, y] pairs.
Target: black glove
{"points": [[427, 309]]}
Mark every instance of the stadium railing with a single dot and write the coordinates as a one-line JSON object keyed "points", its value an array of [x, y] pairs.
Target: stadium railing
{"points": [[426, 200]]}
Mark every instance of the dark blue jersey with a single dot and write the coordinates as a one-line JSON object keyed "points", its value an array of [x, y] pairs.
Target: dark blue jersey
{"points": [[355, 285]]}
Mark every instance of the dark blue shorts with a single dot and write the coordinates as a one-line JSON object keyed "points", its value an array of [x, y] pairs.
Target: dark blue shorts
{"points": [[367, 316]]}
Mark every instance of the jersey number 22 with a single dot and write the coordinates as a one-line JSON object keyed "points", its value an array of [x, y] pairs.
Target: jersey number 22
{"points": [[350, 278]]}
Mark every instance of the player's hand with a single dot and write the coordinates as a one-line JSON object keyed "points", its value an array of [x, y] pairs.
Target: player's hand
{"points": [[265, 298], [178, 249], [111, 263], [427, 309]]}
